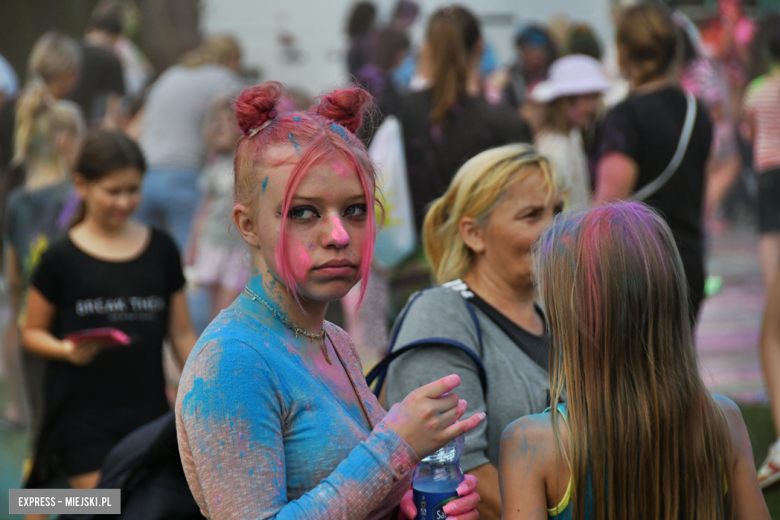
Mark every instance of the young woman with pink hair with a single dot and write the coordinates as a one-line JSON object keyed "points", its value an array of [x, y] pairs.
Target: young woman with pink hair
{"points": [[274, 416]]}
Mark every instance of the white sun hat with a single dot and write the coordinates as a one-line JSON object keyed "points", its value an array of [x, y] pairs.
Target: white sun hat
{"points": [[572, 75]]}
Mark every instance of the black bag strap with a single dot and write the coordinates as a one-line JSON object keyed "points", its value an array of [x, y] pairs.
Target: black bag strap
{"points": [[379, 372]]}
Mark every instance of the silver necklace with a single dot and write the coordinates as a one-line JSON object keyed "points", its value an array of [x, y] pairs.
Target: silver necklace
{"points": [[321, 335]]}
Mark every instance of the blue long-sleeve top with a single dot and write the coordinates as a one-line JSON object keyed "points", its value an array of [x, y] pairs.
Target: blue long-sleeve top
{"points": [[262, 436]]}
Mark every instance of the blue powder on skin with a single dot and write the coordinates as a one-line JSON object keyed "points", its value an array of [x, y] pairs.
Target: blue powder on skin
{"points": [[265, 184], [295, 145], [297, 118]]}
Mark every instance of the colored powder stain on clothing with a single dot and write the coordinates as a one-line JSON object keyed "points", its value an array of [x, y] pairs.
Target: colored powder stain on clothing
{"points": [[293, 142], [297, 118], [254, 390], [265, 184]]}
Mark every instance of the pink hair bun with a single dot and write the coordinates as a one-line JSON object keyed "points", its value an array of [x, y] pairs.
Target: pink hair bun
{"points": [[256, 105], [345, 107]]}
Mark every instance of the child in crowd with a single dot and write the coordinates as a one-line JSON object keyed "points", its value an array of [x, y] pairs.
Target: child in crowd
{"points": [[640, 436], [219, 256], [48, 136], [106, 272]]}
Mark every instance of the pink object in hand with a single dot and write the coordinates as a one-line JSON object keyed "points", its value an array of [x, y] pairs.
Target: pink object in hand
{"points": [[107, 337]]}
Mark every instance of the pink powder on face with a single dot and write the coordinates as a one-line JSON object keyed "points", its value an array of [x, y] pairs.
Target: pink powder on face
{"points": [[299, 260], [340, 170], [339, 234]]}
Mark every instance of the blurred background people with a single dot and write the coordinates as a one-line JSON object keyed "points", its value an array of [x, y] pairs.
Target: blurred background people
{"points": [[478, 239], [572, 98], [450, 121], [641, 135], [535, 53], [101, 82], [360, 29], [47, 141], [762, 112], [9, 83], [172, 135], [702, 77], [218, 257], [55, 60]]}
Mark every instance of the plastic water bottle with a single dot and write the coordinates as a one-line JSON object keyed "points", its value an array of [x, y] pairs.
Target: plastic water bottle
{"points": [[436, 480]]}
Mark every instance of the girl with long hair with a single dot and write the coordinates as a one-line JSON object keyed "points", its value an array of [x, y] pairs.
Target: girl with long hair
{"points": [[449, 121], [639, 436], [48, 139], [106, 272], [273, 413], [655, 144]]}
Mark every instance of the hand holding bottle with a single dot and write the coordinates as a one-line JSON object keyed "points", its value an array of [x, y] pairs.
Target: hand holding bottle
{"points": [[426, 419], [464, 508]]}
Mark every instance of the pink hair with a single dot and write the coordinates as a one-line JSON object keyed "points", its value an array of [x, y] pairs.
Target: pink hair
{"points": [[326, 130]]}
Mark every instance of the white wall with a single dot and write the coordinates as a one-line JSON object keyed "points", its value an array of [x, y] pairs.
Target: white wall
{"points": [[317, 27]]}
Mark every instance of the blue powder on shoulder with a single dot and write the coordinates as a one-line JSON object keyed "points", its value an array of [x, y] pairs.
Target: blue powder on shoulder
{"points": [[295, 145]]}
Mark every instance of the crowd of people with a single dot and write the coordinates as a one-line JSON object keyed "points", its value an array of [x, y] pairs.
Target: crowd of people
{"points": [[544, 308]]}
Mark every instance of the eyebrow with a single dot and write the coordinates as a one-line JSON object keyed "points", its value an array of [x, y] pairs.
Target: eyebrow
{"points": [[356, 197]]}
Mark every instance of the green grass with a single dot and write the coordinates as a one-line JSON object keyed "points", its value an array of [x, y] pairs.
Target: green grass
{"points": [[13, 448], [762, 434]]}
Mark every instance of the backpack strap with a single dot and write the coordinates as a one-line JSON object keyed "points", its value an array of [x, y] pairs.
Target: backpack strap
{"points": [[682, 146], [379, 372]]}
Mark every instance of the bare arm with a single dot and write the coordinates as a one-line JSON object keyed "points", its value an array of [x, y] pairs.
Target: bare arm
{"points": [[38, 339], [489, 506], [523, 467], [179, 328], [616, 176], [749, 502]]}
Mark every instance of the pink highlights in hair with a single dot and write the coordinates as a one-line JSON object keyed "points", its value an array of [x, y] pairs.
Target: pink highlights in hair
{"points": [[324, 133]]}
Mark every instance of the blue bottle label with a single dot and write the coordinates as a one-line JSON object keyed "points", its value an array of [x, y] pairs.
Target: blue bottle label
{"points": [[429, 505]]}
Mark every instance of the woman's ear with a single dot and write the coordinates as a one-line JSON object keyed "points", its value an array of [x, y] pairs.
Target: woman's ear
{"points": [[472, 235], [81, 184], [242, 218]]}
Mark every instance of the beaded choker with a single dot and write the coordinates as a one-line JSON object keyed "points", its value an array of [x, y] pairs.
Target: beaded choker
{"points": [[321, 335]]}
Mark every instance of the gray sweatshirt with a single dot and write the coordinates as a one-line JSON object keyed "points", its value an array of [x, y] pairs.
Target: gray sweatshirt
{"points": [[517, 386]]}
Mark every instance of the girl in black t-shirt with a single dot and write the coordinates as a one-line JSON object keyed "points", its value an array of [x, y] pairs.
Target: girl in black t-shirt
{"points": [[112, 272]]}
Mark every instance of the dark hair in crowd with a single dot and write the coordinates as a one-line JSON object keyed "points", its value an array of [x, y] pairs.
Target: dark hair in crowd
{"points": [[361, 19], [389, 44], [108, 17], [453, 35], [771, 26], [581, 40], [104, 152], [649, 38]]}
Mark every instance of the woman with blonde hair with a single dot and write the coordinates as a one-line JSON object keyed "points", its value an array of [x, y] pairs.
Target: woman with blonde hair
{"points": [[48, 137], [655, 145], [640, 436], [482, 322], [55, 61]]}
